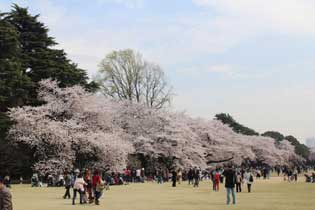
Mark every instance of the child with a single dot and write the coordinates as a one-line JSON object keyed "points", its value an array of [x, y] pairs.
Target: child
{"points": [[216, 180], [99, 191]]}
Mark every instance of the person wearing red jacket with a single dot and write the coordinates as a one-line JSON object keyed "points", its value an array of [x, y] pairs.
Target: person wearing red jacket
{"points": [[96, 180], [216, 180]]}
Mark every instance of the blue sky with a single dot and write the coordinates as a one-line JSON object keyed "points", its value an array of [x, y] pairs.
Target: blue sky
{"points": [[251, 58]]}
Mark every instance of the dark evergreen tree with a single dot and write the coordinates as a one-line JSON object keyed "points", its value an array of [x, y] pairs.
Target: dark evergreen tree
{"points": [[274, 134], [38, 59], [27, 55], [14, 91], [300, 149], [237, 127], [14, 85]]}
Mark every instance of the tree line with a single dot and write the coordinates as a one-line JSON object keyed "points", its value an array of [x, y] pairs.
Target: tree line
{"points": [[300, 149]]}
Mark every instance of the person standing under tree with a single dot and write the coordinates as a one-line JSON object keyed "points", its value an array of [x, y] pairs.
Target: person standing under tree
{"points": [[196, 177], [67, 178], [216, 180], [239, 182], [96, 183], [159, 174], [179, 176], [88, 187], [5, 197], [174, 178], [78, 187], [249, 179], [230, 177], [190, 176]]}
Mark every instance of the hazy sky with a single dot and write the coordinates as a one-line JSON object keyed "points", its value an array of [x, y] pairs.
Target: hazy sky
{"points": [[254, 59]]}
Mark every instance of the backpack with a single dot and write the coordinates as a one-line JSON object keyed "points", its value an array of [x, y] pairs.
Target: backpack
{"points": [[251, 178], [100, 186], [68, 180]]}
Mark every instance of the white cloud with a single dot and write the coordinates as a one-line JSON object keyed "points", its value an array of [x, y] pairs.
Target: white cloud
{"points": [[294, 17]]}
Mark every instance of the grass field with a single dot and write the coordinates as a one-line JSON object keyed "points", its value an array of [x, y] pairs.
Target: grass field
{"points": [[271, 194]]}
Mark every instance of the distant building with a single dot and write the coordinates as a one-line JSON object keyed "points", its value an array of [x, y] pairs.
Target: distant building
{"points": [[310, 142]]}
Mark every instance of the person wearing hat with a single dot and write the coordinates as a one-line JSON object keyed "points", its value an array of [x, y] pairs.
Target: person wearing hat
{"points": [[5, 197]]}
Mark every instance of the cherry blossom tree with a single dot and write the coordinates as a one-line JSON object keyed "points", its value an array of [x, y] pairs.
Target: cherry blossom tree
{"points": [[74, 128]]}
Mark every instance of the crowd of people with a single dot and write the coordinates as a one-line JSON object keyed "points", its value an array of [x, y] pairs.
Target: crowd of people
{"points": [[89, 185]]}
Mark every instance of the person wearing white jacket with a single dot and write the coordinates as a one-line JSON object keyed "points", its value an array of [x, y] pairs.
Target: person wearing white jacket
{"points": [[249, 179], [78, 186]]}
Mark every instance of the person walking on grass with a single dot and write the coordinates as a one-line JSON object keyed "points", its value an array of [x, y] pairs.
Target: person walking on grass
{"points": [[190, 176], [212, 175], [249, 179], [179, 176], [67, 178], [295, 174], [96, 184], [216, 180], [230, 177], [174, 178], [239, 182], [196, 177], [78, 187], [159, 175], [5, 196], [88, 186]]}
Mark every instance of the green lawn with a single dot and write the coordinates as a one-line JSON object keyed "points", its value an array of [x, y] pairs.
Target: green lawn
{"points": [[269, 195]]}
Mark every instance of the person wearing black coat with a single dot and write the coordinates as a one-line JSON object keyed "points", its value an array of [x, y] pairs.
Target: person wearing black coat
{"points": [[230, 180], [174, 178], [190, 176], [196, 176]]}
